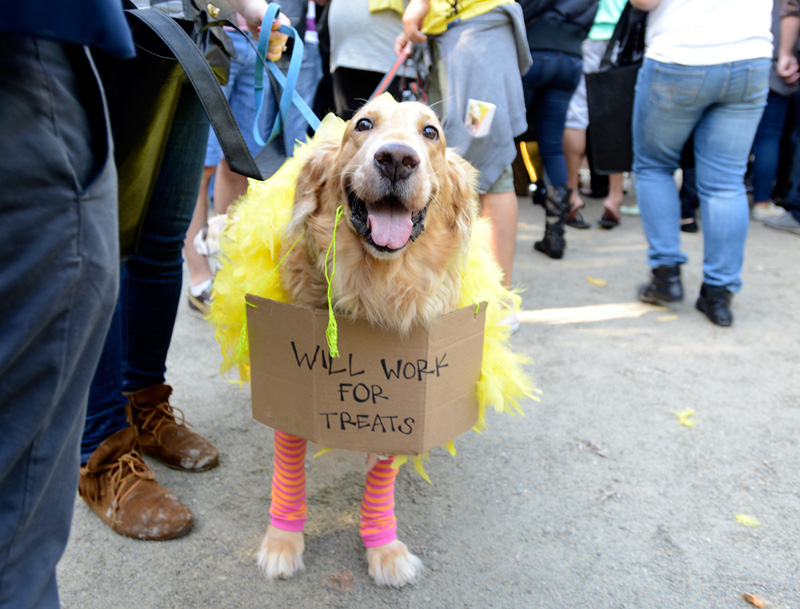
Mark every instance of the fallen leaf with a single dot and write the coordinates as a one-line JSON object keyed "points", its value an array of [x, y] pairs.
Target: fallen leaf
{"points": [[685, 417], [609, 493], [748, 521], [342, 580], [753, 600], [601, 283], [598, 450], [667, 318]]}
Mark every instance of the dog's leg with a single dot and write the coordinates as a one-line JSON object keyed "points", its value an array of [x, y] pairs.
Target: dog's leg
{"points": [[390, 562], [281, 553]]}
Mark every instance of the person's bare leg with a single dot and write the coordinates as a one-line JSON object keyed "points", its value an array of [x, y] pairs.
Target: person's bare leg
{"points": [[199, 271], [228, 187], [574, 141], [615, 193], [502, 209]]}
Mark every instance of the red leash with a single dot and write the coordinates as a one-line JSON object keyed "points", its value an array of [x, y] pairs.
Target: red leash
{"points": [[384, 84]]}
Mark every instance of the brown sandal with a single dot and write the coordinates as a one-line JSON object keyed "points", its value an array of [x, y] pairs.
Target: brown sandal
{"points": [[575, 219]]}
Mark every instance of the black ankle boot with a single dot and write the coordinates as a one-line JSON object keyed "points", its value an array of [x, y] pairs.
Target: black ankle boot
{"points": [[664, 287], [715, 302], [538, 193], [556, 206]]}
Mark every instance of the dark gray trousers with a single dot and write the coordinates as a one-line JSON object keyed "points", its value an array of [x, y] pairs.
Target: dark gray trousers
{"points": [[59, 273]]}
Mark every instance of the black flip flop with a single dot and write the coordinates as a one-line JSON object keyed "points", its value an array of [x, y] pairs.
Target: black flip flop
{"points": [[578, 221], [608, 221]]}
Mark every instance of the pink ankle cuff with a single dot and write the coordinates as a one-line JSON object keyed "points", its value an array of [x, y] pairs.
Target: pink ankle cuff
{"points": [[284, 524], [379, 538]]}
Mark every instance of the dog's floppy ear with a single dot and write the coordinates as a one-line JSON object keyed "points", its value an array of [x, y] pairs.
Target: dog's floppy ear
{"points": [[463, 182], [317, 170]]}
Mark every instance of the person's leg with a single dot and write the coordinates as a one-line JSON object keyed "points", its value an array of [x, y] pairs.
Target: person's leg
{"points": [[199, 270], [554, 99], [766, 153], [613, 202], [722, 141], [502, 210], [559, 77], [574, 151], [60, 251], [239, 92], [228, 185], [575, 126], [105, 414], [659, 133], [151, 288], [688, 195], [790, 221], [149, 295]]}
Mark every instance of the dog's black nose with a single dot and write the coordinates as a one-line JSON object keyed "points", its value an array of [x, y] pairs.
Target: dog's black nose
{"points": [[396, 161]]}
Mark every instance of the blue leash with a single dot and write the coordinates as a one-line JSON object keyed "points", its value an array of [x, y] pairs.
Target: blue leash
{"points": [[288, 82]]}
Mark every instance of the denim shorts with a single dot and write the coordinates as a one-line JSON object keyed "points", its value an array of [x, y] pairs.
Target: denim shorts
{"points": [[240, 92], [504, 183]]}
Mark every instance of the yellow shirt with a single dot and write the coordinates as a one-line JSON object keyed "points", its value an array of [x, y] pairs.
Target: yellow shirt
{"points": [[445, 12], [383, 5]]}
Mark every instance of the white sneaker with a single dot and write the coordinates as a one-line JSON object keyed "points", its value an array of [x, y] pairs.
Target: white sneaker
{"points": [[786, 222], [512, 321], [762, 212]]}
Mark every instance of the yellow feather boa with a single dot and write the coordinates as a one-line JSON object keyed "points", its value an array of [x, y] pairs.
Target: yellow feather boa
{"points": [[251, 244]]}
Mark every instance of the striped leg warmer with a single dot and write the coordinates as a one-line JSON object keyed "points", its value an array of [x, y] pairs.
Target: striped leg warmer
{"points": [[378, 523], [288, 509]]}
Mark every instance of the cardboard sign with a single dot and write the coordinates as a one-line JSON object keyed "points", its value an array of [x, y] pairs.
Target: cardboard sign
{"points": [[385, 393]]}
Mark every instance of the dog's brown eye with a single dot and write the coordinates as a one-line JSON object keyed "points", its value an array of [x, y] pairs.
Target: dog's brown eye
{"points": [[363, 124], [431, 132]]}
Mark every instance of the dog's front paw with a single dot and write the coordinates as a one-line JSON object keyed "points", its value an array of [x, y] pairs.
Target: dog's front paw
{"points": [[393, 565], [281, 553]]}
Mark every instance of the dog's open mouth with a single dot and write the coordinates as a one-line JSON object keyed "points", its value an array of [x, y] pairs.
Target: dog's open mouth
{"points": [[387, 224]]}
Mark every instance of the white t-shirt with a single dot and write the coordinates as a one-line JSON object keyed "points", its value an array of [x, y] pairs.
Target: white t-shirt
{"points": [[709, 32]]}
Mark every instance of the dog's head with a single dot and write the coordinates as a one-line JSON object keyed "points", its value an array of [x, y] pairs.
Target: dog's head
{"points": [[408, 202], [391, 167], [391, 157]]}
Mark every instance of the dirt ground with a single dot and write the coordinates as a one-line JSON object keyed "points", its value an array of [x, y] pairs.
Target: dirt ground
{"points": [[598, 498]]}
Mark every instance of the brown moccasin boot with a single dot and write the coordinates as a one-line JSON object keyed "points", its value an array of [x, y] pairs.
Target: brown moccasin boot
{"points": [[120, 488], [165, 437]]}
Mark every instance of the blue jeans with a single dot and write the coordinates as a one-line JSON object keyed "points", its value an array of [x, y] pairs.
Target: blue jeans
{"points": [[793, 202], [722, 106], [239, 91], [135, 351], [58, 278], [548, 87], [767, 145]]}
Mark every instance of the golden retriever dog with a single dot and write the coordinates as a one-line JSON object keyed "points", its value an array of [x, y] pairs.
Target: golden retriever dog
{"points": [[408, 207]]}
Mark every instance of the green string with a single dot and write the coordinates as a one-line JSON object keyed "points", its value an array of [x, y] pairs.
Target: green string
{"points": [[469, 293], [332, 331]]}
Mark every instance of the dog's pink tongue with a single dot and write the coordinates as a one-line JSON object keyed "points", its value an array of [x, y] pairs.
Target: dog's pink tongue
{"points": [[390, 226]]}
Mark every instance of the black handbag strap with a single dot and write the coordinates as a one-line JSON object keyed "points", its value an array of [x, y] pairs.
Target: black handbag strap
{"points": [[207, 88]]}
